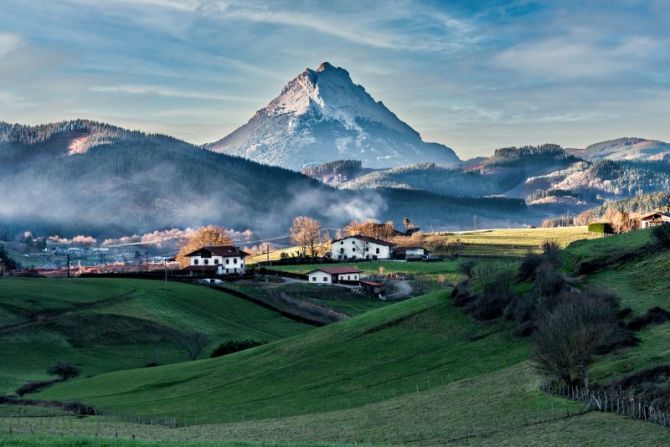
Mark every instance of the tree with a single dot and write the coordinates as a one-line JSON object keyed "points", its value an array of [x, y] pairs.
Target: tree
{"points": [[6, 263], [571, 332], [306, 233], [63, 370], [204, 236], [621, 221], [193, 343]]}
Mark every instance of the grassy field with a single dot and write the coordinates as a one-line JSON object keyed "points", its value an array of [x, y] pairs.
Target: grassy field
{"points": [[382, 353], [514, 242], [448, 269], [416, 372], [102, 325]]}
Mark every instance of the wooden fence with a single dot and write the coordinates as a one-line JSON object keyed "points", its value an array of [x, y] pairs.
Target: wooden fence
{"points": [[618, 403]]}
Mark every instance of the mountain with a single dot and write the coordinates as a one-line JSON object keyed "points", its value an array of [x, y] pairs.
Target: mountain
{"points": [[322, 116], [86, 177], [626, 149]]}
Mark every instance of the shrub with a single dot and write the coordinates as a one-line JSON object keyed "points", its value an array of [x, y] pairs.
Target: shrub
{"points": [[601, 228], [655, 315], [551, 253], [662, 234], [467, 268], [63, 370], [528, 266], [231, 346], [548, 281], [32, 387]]}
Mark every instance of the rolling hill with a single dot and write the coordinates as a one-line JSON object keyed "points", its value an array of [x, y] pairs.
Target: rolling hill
{"points": [[104, 325]]}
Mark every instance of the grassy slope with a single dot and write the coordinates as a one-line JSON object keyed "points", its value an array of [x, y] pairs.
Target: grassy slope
{"points": [[340, 299], [641, 284], [134, 322], [604, 247], [368, 358]]}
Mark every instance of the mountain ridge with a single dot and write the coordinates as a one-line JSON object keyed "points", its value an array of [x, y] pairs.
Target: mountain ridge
{"points": [[322, 116]]}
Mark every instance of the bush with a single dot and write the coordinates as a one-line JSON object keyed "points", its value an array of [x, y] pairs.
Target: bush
{"points": [[662, 234], [231, 346], [601, 228], [548, 281], [528, 266], [193, 343], [32, 387], [63, 370], [467, 268]]}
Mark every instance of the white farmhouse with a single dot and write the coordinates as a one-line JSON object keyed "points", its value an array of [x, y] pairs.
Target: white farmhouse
{"points": [[222, 259], [334, 275], [360, 247], [654, 219]]}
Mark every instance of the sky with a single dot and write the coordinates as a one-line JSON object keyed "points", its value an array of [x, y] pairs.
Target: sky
{"points": [[473, 75]]}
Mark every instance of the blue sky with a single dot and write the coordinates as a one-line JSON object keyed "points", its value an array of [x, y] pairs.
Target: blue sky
{"points": [[474, 75]]}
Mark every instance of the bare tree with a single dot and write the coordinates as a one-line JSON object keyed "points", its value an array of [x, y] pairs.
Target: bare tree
{"points": [[193, 343], [211, 235], [572, 332], [306, 233]]}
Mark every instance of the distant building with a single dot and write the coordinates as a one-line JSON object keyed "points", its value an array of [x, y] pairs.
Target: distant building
{"points": [[221, 259], [334, 275], [409, 253], [360, 247], [654, 219]]}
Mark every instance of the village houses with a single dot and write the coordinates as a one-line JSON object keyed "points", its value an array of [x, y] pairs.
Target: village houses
{"points": [[222, 260], [360, 247]]}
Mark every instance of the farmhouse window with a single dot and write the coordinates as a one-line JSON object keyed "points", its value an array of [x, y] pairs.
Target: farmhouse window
{"points": [[235, 261], [377, 250], [227, 261], [196, 261], [206, 261], [325, 278]]}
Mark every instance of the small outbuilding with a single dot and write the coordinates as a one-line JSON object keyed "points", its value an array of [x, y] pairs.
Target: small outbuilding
{"points": [[409, 253], [334, 275]]}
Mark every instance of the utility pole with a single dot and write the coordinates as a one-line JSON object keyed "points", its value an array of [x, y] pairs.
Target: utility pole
{"points": [[68, 264]]}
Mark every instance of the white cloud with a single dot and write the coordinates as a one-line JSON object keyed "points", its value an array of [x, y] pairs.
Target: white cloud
{"points": [[9, 42], [576, 56], [134, 89]]}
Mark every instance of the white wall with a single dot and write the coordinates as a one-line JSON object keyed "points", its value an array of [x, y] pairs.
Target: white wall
{"points": [[233, 264], [354, 248], [347, 277], [320, 278]]}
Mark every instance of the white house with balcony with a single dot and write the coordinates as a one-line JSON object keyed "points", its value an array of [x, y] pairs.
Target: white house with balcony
{"points": [[360, 247], [221, 259]]}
